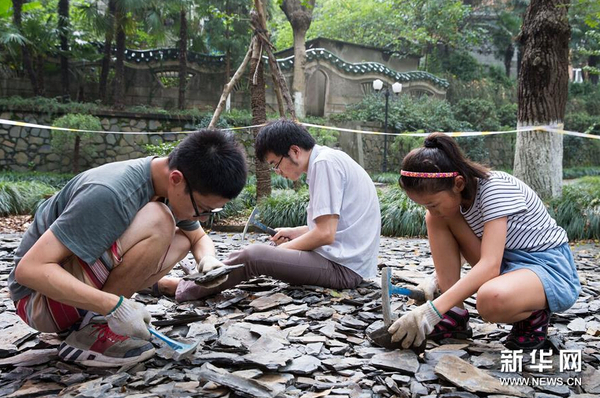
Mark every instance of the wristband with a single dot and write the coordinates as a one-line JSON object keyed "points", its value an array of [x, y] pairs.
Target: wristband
{"points": [[435, 309], [116, 306]]}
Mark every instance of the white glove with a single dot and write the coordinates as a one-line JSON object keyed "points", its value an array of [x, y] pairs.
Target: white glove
{"points": [[429, 287], [413, 328], [129, 318], [209, 263]]}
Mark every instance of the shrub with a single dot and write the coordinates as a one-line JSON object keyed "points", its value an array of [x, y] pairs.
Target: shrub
{"points": [[399, 215], [386, 178], [163, 149], [578, 209], [284, 208], [22, 197], [479, 113], [507, 116], [72, 143], [54, 180]]}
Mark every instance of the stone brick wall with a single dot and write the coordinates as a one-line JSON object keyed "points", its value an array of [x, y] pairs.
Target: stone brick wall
{"points": [[28, 149], [24, 149]]}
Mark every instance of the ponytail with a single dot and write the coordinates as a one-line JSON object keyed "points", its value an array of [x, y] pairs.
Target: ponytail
{"points": [[440, 154]]}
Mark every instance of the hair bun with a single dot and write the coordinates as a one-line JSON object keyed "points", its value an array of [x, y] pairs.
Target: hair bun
{"points": [[430, 143]]}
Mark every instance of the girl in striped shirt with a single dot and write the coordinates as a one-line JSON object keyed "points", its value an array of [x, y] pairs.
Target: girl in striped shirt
{"points": [[522, 267]]}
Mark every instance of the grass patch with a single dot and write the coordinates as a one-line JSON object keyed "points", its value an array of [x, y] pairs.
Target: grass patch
{"points": [[22, 197], [399, 215], [52, 179], [284, 208], [578, 209]]}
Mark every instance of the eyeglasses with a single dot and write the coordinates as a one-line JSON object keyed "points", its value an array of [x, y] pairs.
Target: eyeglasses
{"points": [[275, 167], [196, 210]]}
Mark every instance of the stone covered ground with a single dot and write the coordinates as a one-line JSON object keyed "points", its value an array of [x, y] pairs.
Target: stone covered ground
{"points": [[266, 339]]}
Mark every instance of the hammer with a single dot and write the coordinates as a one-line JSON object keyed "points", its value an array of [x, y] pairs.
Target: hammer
{"points": [[182, 350], [380, 336], [387, 289], [253, 220]]}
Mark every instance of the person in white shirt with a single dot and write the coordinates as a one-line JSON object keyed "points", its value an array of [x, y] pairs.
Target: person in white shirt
{"points": [[339, 245]]}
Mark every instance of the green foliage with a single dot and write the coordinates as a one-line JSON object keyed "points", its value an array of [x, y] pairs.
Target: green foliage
{"points": [[322, 136], [485, 88], [461, 65], [22, 197], [54, 180], [162, 149], [479, 113], [406, 114], [578, 209], [386, 178], [507, 116], [399, 215], [65, 143], [578, 172], [284, 208]]}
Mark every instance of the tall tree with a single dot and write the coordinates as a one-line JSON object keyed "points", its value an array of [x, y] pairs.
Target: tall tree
{"points": [[542, 94], [25, 52], [63, 33], [107, 52], [183, 37], [299, 14], [258, 101]]}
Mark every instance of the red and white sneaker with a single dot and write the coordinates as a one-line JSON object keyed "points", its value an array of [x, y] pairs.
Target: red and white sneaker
{"points": [[96, 345]]}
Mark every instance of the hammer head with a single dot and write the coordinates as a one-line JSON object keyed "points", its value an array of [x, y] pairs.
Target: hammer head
{"points": [[249, 222], [386, 282]]}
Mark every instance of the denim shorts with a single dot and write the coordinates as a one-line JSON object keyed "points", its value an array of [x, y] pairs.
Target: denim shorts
{"points": [[555, 268]]}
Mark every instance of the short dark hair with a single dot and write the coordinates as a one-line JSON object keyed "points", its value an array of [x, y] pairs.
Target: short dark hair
{"points": [[441, 153], [279, 135], [212, 162]]}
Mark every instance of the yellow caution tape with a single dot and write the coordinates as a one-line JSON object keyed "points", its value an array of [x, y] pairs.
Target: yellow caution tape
{"points": [[451, 133]]}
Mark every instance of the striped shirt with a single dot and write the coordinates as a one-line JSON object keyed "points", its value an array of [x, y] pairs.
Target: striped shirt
{"points": [[530, 227]]}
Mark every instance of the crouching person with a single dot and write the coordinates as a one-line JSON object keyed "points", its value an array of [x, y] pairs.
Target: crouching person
{"points": [[112, 231]]}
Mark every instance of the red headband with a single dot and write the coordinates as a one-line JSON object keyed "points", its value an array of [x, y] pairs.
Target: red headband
{"points": [[420, 174]]}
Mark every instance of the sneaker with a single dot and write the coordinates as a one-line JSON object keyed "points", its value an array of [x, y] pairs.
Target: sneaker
{"points": [[530, 333], [96, 345], [454, 325]]}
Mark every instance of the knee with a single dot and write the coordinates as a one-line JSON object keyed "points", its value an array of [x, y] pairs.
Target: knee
{"points": [[158, 220], [249, 254], [491, 302]]}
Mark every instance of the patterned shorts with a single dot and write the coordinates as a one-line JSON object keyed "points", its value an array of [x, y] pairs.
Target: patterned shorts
{"points": [[49, 316]]}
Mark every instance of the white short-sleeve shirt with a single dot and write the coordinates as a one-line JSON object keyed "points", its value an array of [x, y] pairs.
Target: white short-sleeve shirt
{"points": [[338, 185]]}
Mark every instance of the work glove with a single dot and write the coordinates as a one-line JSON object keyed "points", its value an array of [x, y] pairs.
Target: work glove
{"points": [[413, 328], [209, 263], [429, 287], [129, 318]]}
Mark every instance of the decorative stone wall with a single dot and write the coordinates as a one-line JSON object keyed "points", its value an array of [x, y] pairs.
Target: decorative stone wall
{"points": [[29, 149]]}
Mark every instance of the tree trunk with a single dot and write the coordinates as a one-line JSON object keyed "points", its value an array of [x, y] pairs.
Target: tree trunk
{"points": [[108, 38], [182, 57], [299, 14], [119, 84], [259, 116], [593, 62], [76, 150], [542, 95], [509, 52], [40, 60], [26, 54], [258, 104], [63, 26]]}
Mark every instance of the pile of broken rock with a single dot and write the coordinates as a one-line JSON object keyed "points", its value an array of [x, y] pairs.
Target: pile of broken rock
{"points": [[266, 338]]}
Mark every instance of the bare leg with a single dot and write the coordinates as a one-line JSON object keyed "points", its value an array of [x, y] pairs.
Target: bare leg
{"points": [[448, 239], [150, 248], [511, 297]]}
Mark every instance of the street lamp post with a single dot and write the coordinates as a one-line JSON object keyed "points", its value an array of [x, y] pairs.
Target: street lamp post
{"points": [[396, 89]]}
